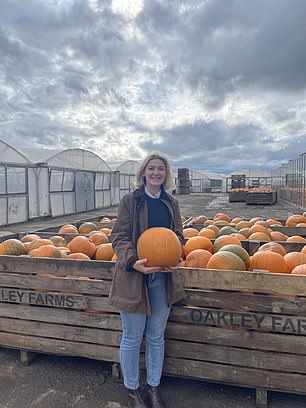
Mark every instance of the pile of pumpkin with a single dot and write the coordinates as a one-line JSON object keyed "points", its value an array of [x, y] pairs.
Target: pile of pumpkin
{"points": [[87, 242], [226, 253], [221, 219], [219, 247], [251, 190]]}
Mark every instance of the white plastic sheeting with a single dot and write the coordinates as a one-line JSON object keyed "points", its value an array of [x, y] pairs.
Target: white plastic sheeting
{"points": [[127, 171]]}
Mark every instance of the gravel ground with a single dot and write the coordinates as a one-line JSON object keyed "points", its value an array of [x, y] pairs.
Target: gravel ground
{"points": [[67, 382]]}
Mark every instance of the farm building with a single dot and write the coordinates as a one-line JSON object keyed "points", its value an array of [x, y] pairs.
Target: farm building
{"points": [[127, 173], [205, 182]]}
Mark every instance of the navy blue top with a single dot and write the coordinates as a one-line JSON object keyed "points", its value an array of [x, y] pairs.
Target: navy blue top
{"points": [[159, 214]]}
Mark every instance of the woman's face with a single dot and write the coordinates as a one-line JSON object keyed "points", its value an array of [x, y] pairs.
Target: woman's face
{"points": [[155, 173]]}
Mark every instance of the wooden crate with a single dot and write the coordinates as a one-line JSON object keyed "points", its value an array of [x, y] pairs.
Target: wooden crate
{"points": [[261, 198], [238, 196], [289, 230], [77, 223], [239, 328]]}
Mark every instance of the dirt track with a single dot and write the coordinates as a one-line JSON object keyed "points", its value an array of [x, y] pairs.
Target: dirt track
{"points": [[67, 382]]}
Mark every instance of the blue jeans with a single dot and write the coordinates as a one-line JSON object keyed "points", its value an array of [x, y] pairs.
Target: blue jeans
{"points": [[137, 325]]}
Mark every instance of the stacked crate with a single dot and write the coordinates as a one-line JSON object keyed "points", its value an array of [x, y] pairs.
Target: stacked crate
{"points": [[183, 181]]}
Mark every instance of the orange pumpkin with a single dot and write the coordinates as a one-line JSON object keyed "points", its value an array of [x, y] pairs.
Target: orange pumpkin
{"points": [[274, 247], [272, 221], [268, 260], [114, 258], [198, 258], [208, 233], [68, 229], [29, 238], [99, 238], [225, 240], [78, 255], [236, 220], [255, 219], [239, 251], [258, 228], [243, 224], [106, 231], [160, 246], [259, 236], [296, 238], [104, 252], [299, 270], [82, 244], [223, 217], [190, 232], [214, 228], [58, 241], [303, 250], [45, 251], [36, 243], [294, 259], [245, 232], [295, 219], [278, 236], [197, 243], [87, 227], [12, 246], [227, 261], [200, 219], [239, 236], [221, 222]]}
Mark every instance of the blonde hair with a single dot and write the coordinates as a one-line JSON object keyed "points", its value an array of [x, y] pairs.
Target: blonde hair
{"points": [[169, 182]]}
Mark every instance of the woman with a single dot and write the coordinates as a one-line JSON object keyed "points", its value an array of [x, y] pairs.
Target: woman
{"points": [[144, 294]]}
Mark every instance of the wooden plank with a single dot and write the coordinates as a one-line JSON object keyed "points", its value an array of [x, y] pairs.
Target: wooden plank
{"points": [[244, 301], [59, 331], [236, 338], [263, 322], [55, 284], [248, 377], [55, 299], [61, 316], [253, 246], [273, 283], [236, 356], [59, 267], [290, 230], [59, 347]]}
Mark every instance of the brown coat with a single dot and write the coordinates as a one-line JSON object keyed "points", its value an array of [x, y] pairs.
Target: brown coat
{"points": [[129, 290]]}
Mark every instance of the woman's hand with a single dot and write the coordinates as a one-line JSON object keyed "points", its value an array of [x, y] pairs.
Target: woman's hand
{"points": [[170, 269], [140, 266]]}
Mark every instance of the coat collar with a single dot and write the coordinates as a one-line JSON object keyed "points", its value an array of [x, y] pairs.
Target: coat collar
{"points": [[140, 193]]}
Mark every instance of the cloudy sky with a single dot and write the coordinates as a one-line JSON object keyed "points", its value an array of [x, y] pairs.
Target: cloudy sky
{"points": [[214, 84]]}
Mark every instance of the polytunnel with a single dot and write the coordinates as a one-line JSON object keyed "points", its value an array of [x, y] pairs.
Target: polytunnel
{"points": [[205, 182], [127, 175], [246, 178], [71, 180], [14, 195]]}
